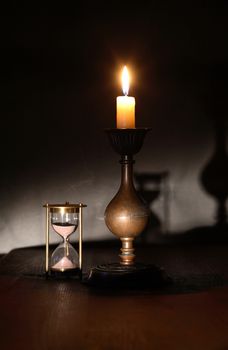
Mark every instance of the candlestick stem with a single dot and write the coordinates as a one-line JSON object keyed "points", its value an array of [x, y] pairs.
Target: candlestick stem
{"points": [[127, 255]]}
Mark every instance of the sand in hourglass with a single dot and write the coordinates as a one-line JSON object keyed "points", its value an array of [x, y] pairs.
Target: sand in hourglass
{"points": [[64, 230]]}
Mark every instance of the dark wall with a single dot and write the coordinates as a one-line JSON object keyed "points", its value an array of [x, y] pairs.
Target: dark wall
{"points": [[59, 83]]}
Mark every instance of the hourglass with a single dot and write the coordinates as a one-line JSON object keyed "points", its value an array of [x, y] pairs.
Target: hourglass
{"points": [[64, 219]]}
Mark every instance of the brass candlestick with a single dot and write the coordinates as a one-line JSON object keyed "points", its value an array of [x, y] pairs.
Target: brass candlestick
{"points": [[126, 216]]}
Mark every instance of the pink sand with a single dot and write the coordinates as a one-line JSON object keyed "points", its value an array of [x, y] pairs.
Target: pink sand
{"points": [[64, 264], [64, 231]]}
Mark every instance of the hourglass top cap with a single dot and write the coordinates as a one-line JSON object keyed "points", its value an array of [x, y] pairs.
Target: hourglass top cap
{"points": [[67, 207]]}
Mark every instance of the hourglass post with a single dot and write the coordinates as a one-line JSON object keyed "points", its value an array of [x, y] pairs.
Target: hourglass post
{"points": [[47, 239], [80, 236], [64, 218]]}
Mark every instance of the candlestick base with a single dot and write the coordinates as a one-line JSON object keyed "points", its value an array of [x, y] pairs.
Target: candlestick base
{"points": [[137, 276]]}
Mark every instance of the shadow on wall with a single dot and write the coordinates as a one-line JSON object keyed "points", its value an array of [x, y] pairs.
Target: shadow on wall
{"points": [[213, 176], [214, 180], [152, 187]]}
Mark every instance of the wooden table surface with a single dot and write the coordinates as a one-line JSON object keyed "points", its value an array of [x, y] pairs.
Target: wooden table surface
{"points": [[37, 313]]}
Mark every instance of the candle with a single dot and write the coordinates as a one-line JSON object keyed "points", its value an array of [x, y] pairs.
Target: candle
{"points": [[125, 105]]}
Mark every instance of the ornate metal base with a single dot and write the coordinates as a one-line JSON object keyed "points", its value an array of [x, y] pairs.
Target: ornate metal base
{"points": [[133, 276]]}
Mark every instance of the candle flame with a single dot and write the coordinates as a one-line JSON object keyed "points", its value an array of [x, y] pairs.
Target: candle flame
{"points": [[125, 80]]}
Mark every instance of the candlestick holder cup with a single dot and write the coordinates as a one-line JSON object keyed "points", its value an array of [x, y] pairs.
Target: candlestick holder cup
{"points": [[126, 216], [64, 220]]}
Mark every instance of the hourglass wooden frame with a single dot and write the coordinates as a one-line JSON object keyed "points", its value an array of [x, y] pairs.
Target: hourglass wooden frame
{"points": [[51, 208]]}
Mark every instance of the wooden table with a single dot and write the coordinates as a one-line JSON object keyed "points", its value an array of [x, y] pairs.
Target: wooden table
{"points": [[37, 313]]}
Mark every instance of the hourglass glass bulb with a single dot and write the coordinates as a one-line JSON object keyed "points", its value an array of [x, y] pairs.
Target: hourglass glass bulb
{"points": [[64, 257], [64, 223], [64, 229]]}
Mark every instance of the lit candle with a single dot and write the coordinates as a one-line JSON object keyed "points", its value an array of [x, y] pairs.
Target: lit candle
{"points": [[125, 105]]}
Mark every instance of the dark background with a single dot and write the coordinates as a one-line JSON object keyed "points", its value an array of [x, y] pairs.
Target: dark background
{"points": [[59, 81]]}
